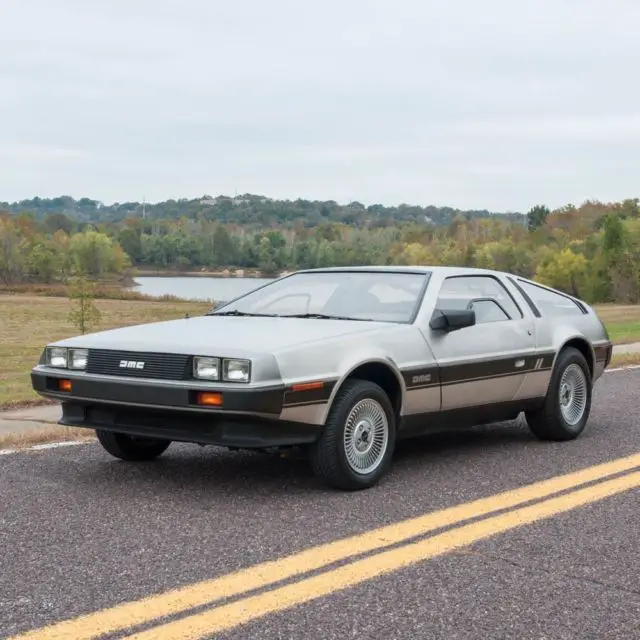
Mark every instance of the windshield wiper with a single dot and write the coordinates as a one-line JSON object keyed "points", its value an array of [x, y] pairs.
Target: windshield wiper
{"points": [[324, 316], [235, 312]]}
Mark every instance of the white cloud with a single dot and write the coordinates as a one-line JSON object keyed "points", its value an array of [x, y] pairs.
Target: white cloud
{"points": [[496, 104]]}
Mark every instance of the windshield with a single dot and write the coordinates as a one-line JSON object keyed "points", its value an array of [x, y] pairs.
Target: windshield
{"points": [[353, 295]]}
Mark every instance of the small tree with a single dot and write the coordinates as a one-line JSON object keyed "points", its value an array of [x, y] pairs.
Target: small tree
{"points": [[536, 217], [84, 313]]}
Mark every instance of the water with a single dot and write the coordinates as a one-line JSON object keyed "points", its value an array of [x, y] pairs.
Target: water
{"points": [[197, 288]]}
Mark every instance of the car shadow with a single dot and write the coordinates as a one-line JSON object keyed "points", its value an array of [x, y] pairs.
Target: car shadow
{"points": [[187, 467]]}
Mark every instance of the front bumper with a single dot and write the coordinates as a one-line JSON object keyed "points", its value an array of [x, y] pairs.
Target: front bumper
{"points": [[249, 417]]}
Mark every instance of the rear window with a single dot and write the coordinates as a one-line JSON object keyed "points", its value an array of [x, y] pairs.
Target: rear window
{"points": [[549, 302]]}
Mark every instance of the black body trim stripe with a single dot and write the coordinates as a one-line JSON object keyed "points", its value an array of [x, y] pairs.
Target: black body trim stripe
{"points": [[421, 377], [305, 397], [498, 368], [448, 374]]}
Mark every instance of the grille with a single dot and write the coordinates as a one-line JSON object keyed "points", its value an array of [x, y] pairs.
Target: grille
{"points": [[161, 366]]}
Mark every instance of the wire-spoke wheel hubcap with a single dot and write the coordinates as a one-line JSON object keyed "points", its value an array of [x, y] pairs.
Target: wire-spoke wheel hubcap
{"points": [[573, 394], [366, 436]]}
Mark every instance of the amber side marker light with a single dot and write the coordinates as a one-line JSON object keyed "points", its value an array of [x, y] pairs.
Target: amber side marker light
{"points": [[307, 386], [64, 385], [209, 399]]}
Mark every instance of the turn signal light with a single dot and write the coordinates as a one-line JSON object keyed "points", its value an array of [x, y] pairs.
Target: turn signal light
{"points": [[307, 386], [209, 399], [64, 385]]}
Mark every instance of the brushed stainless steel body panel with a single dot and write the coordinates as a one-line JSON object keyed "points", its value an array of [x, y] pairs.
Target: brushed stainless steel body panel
{"points": [[482, 364]]}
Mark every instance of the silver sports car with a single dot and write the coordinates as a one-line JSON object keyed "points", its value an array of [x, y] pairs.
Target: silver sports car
{"points": [[342, 362]]}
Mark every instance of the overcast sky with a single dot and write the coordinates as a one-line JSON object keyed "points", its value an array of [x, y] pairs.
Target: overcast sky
{"points": [[498, 104]]}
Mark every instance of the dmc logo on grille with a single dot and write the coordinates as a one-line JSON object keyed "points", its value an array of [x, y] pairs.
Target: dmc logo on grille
{"points": [[131, 364]]}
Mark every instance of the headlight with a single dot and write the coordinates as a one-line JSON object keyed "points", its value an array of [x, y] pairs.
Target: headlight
{"points": [[78, 358], [236, 370], [206, 368], [57, 357]]}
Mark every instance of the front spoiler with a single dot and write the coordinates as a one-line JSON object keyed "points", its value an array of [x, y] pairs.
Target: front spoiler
{"points": [[180, 426]]}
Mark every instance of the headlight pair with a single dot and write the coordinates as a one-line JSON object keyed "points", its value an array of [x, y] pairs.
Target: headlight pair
{"points": [[225, 369], [63, 358], [204, 368]]}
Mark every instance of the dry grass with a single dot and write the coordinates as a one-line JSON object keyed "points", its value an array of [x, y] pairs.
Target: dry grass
{"points": [[618, 313], [622, 321], [28, 323], [44, 435], [625, 360]]}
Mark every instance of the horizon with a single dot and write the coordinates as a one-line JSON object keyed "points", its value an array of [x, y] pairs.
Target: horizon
{"points": [[146, 201]]}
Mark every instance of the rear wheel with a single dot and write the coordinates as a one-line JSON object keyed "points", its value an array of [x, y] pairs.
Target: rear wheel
{"points": [[132, 448], [567, 406], [357, 442]]}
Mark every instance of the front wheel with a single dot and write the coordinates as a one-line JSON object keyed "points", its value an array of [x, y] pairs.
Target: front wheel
{"points": [[131, 448], [565, 412], [358, 440]]}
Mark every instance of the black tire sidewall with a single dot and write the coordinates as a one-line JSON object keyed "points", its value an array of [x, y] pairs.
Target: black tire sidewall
{"points": [[123, 446]]}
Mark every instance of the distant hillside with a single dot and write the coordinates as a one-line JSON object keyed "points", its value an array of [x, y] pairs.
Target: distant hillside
{"points": [[251, 210]]}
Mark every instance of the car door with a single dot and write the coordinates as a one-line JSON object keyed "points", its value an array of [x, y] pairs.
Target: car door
{"points": [[486, 363]]}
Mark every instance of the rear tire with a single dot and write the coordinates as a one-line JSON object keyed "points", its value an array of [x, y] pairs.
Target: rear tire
{"points": [[131, 448], [566, 408], [356, 445]]}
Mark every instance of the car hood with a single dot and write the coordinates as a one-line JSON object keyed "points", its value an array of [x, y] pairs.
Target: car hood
{"points": [[222, 335]]}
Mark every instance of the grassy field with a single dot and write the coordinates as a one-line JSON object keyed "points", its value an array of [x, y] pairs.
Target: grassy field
{"points": [[28, 322], [622, 322]]}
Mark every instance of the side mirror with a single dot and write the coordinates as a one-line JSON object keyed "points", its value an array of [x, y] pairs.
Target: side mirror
{"points": [[452, 319]]}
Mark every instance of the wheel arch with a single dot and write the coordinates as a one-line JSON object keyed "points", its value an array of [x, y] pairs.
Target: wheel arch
{"points": [[583, 346], [379, 370]]}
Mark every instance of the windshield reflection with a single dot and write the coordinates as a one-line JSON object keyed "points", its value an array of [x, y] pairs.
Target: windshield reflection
{"points": [[344, 295]]}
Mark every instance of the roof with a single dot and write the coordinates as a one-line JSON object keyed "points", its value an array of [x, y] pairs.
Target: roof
{"points": [[447, 270]]}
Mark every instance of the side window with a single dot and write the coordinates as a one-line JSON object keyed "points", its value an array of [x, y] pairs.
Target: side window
{"points": [[485, 294], [488, 310], [549, 302]]}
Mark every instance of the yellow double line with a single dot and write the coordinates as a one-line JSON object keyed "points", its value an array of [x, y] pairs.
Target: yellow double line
{"points": [[156, 609]]}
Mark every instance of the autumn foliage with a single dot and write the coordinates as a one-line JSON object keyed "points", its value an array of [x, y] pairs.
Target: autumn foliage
{"points": [[591, 251]]}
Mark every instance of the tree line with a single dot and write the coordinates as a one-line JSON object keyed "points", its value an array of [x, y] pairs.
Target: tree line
{"points": [[247, 210], [591, 251]]}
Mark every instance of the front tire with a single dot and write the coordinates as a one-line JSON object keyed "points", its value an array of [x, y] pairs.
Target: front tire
{"points": [[565, 412], [132, 448], [358, 440]]}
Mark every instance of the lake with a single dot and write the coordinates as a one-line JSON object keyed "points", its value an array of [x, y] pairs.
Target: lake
{"points": [[197, 288]]}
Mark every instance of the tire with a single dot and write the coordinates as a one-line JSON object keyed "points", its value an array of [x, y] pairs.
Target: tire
{"points": [[550, 422], [334, 456], [131, 448]]}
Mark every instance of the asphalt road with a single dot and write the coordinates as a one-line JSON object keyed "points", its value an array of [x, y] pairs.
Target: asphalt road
{"points": [[81, 533]]}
